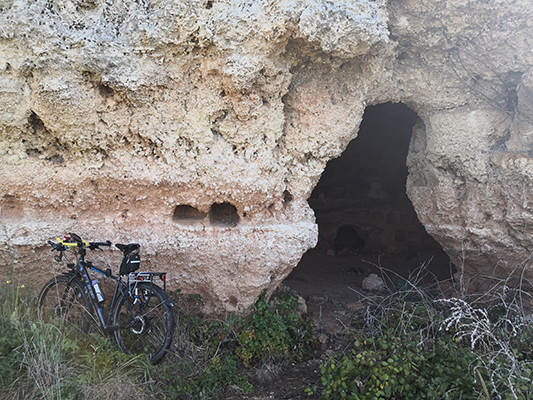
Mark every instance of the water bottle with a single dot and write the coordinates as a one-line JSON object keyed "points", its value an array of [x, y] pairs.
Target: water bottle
{"points": [[99, 294]]}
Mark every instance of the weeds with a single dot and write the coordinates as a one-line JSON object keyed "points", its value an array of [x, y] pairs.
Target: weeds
{"points": [[47, 361], [41, 360], [497, 341], [44, 362], [414, 342], [214, 355]]}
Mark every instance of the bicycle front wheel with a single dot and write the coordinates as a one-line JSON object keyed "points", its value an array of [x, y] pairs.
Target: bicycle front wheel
{"points": [[65, 299], [145, 322]]}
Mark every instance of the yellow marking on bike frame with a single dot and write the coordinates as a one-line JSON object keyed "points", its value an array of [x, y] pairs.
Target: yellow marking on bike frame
{"points": [[71, 244]]}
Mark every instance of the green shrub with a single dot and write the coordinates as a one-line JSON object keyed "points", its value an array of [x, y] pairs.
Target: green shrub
{"points": [[10, 358], [275, 331], [394, 367], [409, 345], [210, 355]]}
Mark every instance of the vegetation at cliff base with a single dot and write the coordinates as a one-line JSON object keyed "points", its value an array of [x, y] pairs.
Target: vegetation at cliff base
{"points": [[413, 343], [48, 361], [216, 353]]}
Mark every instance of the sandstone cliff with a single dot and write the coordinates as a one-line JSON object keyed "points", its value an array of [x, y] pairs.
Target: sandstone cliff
{"points": [[199, 128]]}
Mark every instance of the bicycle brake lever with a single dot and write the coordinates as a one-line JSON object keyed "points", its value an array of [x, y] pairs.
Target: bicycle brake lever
{"points": [[56, 247]]}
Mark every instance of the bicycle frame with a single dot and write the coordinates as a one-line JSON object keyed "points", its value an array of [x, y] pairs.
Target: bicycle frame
{"points": [[81, 271], [120, 288]]}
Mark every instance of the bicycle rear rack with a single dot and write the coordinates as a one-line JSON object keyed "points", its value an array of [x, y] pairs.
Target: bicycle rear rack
{"points": [[136, 277]]}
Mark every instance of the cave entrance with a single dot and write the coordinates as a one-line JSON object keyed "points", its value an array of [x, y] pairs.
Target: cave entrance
{"points": [[364, 216]]}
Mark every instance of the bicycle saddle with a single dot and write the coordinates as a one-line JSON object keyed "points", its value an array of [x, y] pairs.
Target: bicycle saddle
{"points": [[128, 248]]}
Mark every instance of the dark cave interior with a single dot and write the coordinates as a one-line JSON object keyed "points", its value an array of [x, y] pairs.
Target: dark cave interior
{"points": [[362, 209]]}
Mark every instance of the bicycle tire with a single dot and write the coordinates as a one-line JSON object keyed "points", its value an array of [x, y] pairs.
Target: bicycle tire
{"points": [[150, 325], [65, 299]]}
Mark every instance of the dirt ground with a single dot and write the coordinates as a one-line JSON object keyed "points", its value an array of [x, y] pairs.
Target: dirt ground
{"points": [[331, 286]]}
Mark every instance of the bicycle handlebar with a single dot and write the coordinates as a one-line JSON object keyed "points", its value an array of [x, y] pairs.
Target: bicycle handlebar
{"points": [[96, 245], [55, 246], [76, 241]]}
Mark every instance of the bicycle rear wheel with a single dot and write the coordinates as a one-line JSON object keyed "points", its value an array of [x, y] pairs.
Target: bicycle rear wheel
{"points": [[147, 327], [65, 299]]}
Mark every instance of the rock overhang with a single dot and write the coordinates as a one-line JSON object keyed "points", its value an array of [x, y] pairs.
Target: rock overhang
{"points": [[139, 109]]}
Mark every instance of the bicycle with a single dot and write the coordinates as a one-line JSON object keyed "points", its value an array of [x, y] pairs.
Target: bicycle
{"points": [[140, 313]]}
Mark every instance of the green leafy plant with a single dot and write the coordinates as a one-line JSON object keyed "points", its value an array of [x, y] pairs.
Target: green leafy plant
{"points": [[274, 331], [389, 366], [212, 354], [411, 344]]}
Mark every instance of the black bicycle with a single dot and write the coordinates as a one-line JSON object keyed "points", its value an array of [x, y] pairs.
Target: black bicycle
{"points": [[139, 315]]}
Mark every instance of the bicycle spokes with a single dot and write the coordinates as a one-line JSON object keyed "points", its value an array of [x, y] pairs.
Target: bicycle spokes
{"points": [[146, 325]]}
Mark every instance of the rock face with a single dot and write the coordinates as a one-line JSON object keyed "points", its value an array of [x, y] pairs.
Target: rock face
{"points": [[199, 128]]}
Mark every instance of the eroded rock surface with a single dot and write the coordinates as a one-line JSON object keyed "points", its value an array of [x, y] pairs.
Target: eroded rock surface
{"points": [[113, 114]]}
